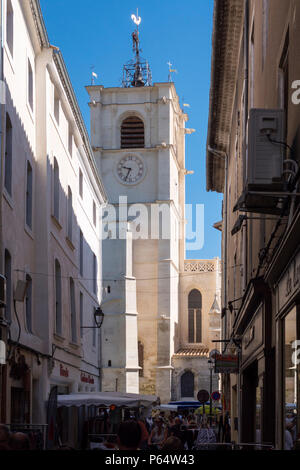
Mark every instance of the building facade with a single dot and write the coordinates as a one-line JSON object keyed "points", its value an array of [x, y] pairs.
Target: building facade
{"points": [[253, 158], [51, 225]]}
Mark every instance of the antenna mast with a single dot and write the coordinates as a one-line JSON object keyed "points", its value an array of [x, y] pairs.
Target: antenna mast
{"points": [[137, 72]]}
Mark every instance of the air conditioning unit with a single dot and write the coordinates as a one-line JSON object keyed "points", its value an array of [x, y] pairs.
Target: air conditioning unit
{"points": [[2, 291], [265, 158]]}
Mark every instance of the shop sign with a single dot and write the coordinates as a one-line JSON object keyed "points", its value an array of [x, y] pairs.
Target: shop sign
{"points": [[290, 282], [63, 372], [87, 379], [226, 364]]}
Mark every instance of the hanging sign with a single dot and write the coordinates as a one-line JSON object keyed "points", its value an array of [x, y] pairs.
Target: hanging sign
{"points": [[226, 364]]}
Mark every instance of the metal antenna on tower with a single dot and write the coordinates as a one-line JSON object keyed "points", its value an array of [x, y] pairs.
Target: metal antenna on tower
{"points": [[137, 72]]}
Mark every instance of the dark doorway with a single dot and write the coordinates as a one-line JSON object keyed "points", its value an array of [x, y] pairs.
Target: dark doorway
{"points": [[187, 384]]}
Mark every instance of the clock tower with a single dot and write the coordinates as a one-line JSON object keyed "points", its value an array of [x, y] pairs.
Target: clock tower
{"points": [[138, 134]]}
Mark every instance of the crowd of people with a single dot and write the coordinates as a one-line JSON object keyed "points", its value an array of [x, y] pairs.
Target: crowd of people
{"points": [[175, 433], [157, 432]]}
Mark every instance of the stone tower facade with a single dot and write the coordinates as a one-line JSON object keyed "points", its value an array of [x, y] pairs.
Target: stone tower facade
{"points": [[138, 136]]}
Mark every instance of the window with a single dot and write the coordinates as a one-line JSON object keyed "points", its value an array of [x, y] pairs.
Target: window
{"points": [[7, 274], [8, 156], [70, 141], [28, 304], [94, 214], [187, 384], [141, 358], [10, 27], [56, 190], [81, 313], [194, 316], [94, 329], [81, 253], [56, 105], [94, 274], [29, 196], [132, 133], [30, 85], [73, 311], [58, 306], [70, 215], [80, 183]]}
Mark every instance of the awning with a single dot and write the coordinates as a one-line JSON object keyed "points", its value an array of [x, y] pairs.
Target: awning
{"points": [[106, 399]]}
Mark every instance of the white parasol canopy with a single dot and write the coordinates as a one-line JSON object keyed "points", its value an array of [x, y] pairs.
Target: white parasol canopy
{"points": [[107, 399]]}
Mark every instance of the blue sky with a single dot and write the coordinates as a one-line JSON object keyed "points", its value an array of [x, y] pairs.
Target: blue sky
{"points": [[98, 33]]}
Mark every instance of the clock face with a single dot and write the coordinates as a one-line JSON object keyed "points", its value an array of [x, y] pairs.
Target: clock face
{"points": [[131, 169]]}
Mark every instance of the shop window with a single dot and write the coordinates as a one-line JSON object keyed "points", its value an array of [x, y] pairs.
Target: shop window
{"points": [[132, 133], [291, 417], [187, 384], [58, 299], [194, 317], [8, 156]]}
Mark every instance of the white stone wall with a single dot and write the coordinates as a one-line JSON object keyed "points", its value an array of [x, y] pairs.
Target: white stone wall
{"points": [[38, 138]]}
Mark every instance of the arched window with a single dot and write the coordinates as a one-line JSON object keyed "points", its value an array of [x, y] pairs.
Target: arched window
{"points": [[58, 307], [194, 316], [132, 133], [187, 384]]}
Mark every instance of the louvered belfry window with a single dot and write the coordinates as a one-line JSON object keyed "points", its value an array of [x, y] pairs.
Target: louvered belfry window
{"points": [[132, 133]]}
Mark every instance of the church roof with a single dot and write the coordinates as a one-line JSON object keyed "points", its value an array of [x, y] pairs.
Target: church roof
{"points": [[192, 352]]}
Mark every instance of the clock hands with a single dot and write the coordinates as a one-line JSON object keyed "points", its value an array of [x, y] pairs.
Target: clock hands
{"points": [[129, 170]]}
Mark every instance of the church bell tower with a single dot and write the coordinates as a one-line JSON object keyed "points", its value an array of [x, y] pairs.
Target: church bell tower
{"points": [[138, 133]]}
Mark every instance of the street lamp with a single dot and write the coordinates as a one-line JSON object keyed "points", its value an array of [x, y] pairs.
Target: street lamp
{"points": [[210, 366], [98, 317]]}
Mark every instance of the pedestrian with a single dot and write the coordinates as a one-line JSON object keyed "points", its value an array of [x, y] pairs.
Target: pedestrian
{"points": [[129, 435], [206, 437], [158, 434]]}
